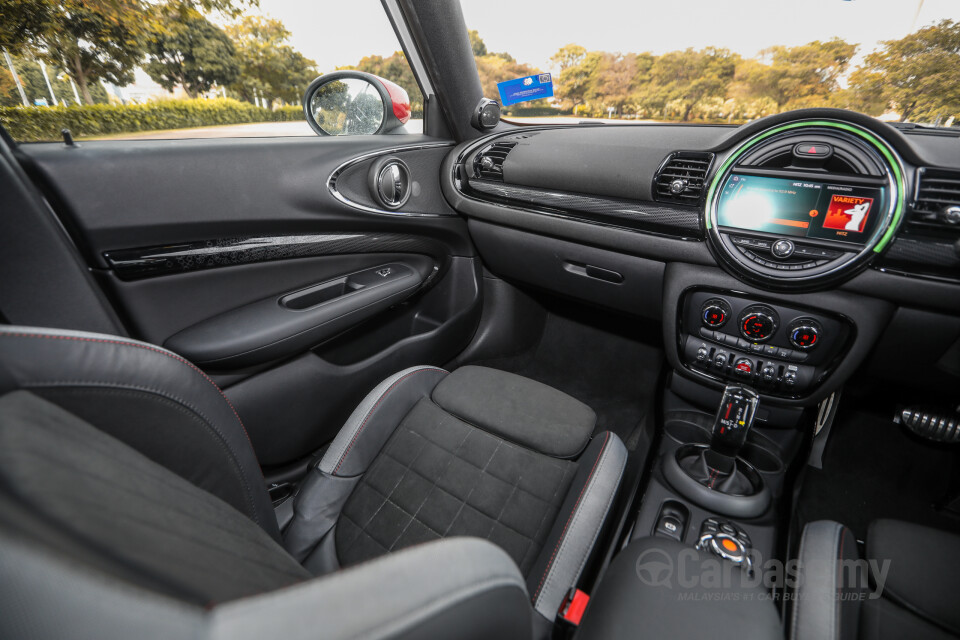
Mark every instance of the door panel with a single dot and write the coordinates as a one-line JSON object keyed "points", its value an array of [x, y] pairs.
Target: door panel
{"points": [[124, 195], [157, 308], [188, 237]]}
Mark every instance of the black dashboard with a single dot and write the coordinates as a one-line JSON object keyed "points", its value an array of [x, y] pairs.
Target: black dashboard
{"points": [[821, 220]]}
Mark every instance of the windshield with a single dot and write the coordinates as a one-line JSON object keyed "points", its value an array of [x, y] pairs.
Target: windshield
{"points": [[703, 61]]}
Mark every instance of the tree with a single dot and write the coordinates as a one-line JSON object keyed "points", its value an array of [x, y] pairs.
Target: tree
{"points": [[613, 81], [576, 70], [478, 46], [918, 75], [268, 65], [679, 80], [31, 77], [808, 74], [192, 53], [93, 39]]}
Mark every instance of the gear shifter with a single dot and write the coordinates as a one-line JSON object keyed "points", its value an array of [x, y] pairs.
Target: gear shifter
{"points": [[716, 466], [734, 419], [716, 476]]}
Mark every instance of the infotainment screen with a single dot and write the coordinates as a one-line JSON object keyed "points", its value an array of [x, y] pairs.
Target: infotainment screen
{"points": [[800, 208]]}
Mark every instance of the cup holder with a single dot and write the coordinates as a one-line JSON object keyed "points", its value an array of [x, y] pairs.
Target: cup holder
{"points": [[762, 460], [685, 432]]}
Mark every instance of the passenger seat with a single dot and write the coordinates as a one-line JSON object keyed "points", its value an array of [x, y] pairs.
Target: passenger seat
{"points": [[906, 588], [131, 503]]}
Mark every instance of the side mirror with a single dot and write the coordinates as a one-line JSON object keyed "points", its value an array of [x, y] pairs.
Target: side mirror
{"points": [[351, 103]]}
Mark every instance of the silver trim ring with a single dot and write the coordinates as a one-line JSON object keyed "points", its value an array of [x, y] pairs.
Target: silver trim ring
{"points": [[332, 181]]}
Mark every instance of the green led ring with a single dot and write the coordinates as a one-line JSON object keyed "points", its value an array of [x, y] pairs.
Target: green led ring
{"points": [[884, 149]]}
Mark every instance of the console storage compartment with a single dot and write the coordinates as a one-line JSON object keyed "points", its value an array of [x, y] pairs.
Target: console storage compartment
{"points": [[660, 588]]}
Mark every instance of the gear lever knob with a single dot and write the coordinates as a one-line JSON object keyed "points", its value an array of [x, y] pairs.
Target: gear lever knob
{"points": [[734, 419]]}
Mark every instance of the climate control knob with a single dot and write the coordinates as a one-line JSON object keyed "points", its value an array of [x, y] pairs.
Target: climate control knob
{"points": [[715, 312], [758, 323], [804, 333]]}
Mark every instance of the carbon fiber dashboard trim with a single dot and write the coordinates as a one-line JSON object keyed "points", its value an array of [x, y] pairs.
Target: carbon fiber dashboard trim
{"points": [[146, 262], [636, 215], [922, 257], [923, 253]]}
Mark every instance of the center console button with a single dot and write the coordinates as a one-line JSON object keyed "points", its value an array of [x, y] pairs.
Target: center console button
{"points": [[782, 248], [744, 367], [790, 377]]}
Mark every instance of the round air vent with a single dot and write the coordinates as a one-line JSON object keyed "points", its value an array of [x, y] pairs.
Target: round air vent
{"points": [[390, 183]]}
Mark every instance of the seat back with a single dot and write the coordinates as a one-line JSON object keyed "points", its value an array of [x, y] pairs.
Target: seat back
{"points": [[148, 398], [97, 541]]}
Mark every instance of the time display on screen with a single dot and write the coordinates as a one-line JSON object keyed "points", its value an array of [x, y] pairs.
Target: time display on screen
{"points": [[800, 208]]}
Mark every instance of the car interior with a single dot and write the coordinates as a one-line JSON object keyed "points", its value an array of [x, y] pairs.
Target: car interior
{"points": [[489, 381]]}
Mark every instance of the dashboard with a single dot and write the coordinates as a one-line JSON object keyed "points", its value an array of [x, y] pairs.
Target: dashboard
{"points": [[821, 221]]}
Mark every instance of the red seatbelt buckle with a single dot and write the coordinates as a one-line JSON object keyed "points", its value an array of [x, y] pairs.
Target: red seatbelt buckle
{"points": [[573, 606]]}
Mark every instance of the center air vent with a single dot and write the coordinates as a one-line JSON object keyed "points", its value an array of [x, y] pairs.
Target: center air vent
{"points": [[680, 179], [488, 164], [938, 199]]}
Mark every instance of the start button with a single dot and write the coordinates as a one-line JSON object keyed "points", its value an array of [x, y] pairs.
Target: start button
{"points": [[728, 547]]}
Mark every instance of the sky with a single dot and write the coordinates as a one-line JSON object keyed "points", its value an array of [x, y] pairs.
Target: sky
{"points": [[336, 34], [534, 31]]}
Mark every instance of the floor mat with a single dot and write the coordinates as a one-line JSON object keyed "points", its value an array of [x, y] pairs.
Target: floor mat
{"points": [[873, 469], [606, 369]]}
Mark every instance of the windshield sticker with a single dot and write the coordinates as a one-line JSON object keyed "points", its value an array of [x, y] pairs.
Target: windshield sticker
{"points": [[525, 89]]}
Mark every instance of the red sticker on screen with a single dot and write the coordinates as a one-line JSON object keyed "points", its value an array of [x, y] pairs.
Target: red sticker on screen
{"points": [[847, 213]]}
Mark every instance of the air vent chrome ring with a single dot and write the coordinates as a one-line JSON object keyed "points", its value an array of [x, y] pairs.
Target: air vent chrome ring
{"points": [[390, 183]]}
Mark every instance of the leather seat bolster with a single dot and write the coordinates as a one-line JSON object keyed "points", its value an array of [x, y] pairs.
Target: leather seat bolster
{"points": [[582, 515], [147, 397], [922, 571], [518, 409], [452, 588], [824, 606], [375, 419]]}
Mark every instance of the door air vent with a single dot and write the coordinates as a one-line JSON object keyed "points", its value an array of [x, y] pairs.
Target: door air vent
{"points": [[937, 202], [681, 177], [488, 164]]}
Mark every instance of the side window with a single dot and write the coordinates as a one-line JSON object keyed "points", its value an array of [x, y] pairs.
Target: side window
{"points": [[131, 69]]}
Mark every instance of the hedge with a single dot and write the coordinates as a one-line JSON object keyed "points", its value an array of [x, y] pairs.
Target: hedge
{"points": [[45, 123]]}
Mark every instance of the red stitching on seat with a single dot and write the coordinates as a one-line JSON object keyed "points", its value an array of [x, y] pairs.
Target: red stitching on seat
{"points": [[139, 346], [570, 517], [373, 409]]}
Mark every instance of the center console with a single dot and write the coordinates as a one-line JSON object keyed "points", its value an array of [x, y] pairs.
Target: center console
{"points": [[783, 350], [695, 563]]}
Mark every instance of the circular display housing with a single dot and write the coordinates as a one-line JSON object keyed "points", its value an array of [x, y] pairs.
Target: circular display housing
{"points": [[804, 333], [715, 313], [865, 186], [758, 323]]}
